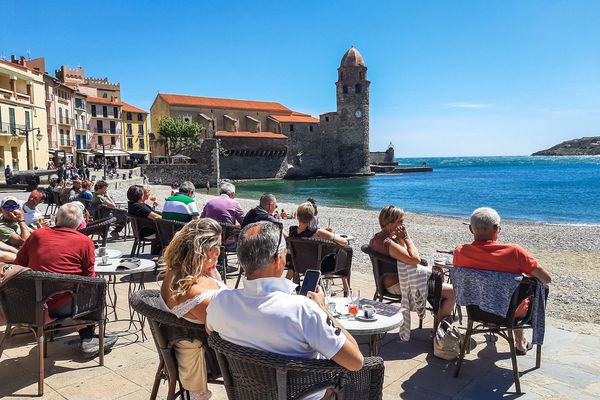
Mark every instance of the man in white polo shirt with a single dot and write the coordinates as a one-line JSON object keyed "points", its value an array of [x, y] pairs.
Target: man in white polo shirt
{"points": [[266, 315]]}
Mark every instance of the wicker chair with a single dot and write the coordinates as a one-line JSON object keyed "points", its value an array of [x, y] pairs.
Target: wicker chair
{"points": [[53, 201], [99, 227], [503, 326], [229, 235], [251, 374], [23, 302], [383, 264], [309, 253], [166, 229], [167, 329], [139, 239], [102, 211]]}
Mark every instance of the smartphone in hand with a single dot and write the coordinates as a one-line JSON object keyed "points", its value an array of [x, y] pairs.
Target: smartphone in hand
{"points": [[311, 280]]}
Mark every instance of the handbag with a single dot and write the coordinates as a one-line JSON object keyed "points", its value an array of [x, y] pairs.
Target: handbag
{"points": [[447, 340]]}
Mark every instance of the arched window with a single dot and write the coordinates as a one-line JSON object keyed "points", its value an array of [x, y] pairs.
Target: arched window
{"points": [[341, 75], [360, 75], [345, 89], [358, 88]]}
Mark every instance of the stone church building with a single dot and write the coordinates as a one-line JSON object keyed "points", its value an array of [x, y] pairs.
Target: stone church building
{"points": [[257, 139]]}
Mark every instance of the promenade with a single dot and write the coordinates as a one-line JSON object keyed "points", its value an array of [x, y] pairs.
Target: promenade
{"points": [[570, 364]]}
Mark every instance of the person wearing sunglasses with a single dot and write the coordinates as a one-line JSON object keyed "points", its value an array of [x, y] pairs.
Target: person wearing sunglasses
{"points": [[13, 229]]}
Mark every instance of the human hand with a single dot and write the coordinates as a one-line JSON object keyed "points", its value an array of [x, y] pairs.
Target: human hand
{"points": [[16, 214], [318, 297], [401, 232]]}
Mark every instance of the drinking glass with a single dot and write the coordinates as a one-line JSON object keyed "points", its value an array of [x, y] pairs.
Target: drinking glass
{"points": [[354, 303]]}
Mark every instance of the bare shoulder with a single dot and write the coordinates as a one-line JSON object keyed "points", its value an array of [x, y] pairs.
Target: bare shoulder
{"points": [[202, 285]]}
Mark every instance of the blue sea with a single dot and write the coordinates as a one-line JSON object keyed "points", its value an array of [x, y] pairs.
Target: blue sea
{"points": [[542, 189]]}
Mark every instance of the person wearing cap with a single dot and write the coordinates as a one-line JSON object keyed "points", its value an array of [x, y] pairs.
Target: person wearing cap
{"points": [[13, 228]]}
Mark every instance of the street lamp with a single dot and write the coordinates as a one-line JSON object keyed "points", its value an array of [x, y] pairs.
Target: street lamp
{"points": [[26, 133]]}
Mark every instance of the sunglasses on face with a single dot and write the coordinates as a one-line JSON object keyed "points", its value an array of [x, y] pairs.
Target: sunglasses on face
{"points": [[10, 207], [280, 226]]}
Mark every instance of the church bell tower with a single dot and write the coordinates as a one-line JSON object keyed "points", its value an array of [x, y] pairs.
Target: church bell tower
{"points": [[352, 93]]}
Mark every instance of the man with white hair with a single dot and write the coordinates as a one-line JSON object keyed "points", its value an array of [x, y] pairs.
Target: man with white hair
{"points": [[224, 208], [182, 206], [267, 314], [62, 249], [487, 254]]}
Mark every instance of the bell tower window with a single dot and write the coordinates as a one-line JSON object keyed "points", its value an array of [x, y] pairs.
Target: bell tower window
{"points": [[341, 76], [345, 89], [358, 88], [360, 75]]}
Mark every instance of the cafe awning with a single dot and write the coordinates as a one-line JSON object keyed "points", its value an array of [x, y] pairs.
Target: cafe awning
{"points": [[111, 153]]}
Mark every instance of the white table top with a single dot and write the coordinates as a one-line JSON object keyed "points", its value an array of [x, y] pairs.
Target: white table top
{"points": [[113, 263], [382, 323], [111, 253], [443, 262]]}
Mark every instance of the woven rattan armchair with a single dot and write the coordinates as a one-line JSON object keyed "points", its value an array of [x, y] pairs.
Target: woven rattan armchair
{"points": [[309, 253], [167, 329], [23, 302], [166, 229], [99, 227], [102, 211], [251, 374], [229, 238], [383, 264]]}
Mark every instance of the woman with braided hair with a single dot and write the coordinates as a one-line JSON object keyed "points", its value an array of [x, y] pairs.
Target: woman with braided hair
{"points": [[190, 281]]}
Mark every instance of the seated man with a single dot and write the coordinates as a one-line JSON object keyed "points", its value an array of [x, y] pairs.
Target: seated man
{"points": [[224, 208], [13, 229], [33, 216], [63, 250], [281, 322], [263, 212], [72, 193], [182, 206], [486, 253]]}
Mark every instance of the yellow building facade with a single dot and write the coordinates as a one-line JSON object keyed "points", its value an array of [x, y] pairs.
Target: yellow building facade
{"points": [[23, 119], [135, 132]]}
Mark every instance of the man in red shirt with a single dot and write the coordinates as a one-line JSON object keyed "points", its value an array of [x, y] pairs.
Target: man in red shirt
{"points": [[62, 249], [486, 253]]}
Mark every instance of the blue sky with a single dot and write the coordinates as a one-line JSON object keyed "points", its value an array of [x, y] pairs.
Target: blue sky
{"points": [[449, 78]]}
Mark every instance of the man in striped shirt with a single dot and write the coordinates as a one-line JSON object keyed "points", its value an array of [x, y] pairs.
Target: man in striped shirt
{"points": [[182, 206]]}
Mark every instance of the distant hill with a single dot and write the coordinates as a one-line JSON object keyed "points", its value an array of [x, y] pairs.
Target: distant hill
{"points": [[587, 146]]}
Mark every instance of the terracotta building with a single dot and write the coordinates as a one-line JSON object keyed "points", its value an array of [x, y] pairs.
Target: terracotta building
{"points": [[336, 144]]}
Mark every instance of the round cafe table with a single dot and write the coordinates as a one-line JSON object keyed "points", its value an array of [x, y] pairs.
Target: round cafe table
{"points": [[387, 318], [112, 273]]}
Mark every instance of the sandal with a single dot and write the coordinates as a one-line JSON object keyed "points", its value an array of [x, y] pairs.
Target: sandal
{"points": [[524, 352]]}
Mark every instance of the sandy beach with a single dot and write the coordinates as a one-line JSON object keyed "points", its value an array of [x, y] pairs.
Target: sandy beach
{"points": [[569, 252]]}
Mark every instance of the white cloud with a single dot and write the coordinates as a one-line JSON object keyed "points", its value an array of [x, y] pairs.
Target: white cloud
{"points": [[467, 105]]}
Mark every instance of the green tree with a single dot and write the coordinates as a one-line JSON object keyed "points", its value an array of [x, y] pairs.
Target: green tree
{"points": [[180, 134]]}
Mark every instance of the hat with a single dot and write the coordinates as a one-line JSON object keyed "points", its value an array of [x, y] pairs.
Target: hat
{"points": [[9, 198]]}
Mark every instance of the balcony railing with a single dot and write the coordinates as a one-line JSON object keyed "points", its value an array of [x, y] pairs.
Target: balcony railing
{"points": [[6, 128], [54, 144], [66, 121], [106, 131], [81, 126], [49, 96]]}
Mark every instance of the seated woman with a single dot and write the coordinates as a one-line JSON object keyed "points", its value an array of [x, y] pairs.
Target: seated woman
{"points": [[137, 207], [393, 240], [101, 196], [190, 281], [305, 215]]}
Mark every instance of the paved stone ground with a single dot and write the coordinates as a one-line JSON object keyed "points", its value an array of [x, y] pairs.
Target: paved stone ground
{"points": [[570, 365]]}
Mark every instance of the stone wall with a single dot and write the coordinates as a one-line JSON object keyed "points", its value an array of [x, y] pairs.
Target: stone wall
{"points": [[205, 167], [253, 167]]}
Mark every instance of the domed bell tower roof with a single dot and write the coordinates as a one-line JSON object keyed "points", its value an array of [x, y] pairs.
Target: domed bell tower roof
{"points": [[352, 58]]}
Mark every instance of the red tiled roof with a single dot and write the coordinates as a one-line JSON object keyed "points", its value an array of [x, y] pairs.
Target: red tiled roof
{"points": [[212, 102], [129, 108], [103, 101], [263, 135], [294, 118]]}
